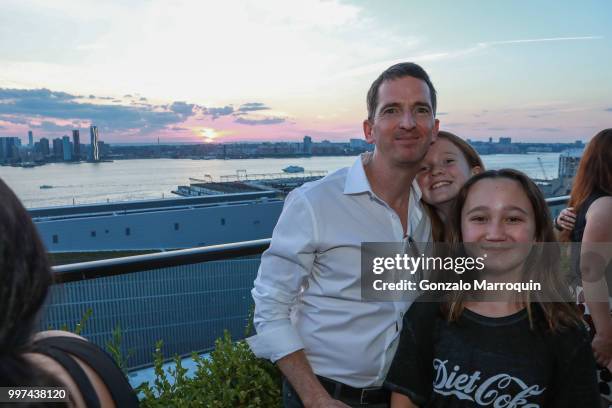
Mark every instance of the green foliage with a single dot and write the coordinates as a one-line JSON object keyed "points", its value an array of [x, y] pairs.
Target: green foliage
{"points": [[113, 346], [231, 377], [78, 328]]}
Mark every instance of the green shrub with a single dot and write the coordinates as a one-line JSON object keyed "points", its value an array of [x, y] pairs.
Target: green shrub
{"points": [[230, 377]]}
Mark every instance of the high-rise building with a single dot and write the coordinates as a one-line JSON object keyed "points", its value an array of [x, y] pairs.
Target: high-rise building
{"points": [[66, 148], [307, 145], [57, 148], [30, 139], [8, 148], [44, 146], [76, 141], [95, 152]]}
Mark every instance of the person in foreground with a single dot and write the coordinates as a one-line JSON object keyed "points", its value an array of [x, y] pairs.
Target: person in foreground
{"points": [[591, 197], [335, 349], [52, 358], [449, 163], [516, 350]]}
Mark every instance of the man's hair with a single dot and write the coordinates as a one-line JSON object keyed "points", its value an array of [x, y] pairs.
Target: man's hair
{"points": [[403, 69]]}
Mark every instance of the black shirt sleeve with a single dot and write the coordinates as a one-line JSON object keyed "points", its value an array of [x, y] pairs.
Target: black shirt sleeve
{"points": [[576, 378], [411, 371]]}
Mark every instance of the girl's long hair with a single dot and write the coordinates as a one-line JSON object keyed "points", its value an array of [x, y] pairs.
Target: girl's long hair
{"points": [[594, 172], [473, 160], [25, 277], [542, 265]]}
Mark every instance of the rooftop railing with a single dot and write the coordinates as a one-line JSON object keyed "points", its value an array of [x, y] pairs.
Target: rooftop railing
{"points": [[186, 298]]}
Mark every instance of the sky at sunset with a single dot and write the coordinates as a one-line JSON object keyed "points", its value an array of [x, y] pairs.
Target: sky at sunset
{"points": [[203, 71]]}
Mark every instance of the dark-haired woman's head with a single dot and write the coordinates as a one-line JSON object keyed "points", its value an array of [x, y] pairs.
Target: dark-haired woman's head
{"points": [[24, 272]]}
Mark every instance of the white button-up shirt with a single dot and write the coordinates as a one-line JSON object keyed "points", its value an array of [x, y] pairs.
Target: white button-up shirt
{"points": [[308, 290]]}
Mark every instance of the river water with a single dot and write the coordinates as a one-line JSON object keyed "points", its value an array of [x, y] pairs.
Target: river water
{"points": [[125, 180]]}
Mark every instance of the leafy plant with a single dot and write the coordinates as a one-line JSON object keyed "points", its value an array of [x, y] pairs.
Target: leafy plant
{"points": [[113, 346], [231, 376]]}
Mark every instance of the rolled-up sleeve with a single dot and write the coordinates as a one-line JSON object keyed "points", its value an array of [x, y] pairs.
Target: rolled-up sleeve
{"points": [[283, 270]]}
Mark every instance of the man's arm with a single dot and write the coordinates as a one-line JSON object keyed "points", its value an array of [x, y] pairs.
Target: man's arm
{"points": [[296, 368], [284, 268], [401, 401]]}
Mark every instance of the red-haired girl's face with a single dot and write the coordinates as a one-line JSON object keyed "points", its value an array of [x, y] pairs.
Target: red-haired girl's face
{"points": [[444, 171]]}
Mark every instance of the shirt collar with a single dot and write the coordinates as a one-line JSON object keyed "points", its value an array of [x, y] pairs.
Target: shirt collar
{"points": [[357, 181]]}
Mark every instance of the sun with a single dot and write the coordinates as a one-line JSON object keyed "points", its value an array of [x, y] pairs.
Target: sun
{"points": [[209, 134]]}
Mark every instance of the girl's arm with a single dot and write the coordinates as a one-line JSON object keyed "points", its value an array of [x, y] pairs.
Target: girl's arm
{"points": [[595, 255], [401, 401]]}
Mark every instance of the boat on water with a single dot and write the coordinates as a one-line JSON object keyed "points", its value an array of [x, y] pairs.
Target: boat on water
{"points": [[293, 169], [45, 186]]}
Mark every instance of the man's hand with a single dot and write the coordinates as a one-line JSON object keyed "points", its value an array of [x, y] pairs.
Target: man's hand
{"points": [[296, 368], [325, 401], [602, 348]]}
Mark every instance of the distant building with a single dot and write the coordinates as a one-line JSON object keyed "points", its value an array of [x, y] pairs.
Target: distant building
{"points": [[95, 152], [505, 140], [360, 145], [9, 149], [57, 148], [568, 162], [30, 139], [44, 146], [307, 145], [66, 148], [76, 142]]}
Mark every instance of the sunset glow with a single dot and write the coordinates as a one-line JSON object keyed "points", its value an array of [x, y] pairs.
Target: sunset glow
{"points": [[280, 70]]}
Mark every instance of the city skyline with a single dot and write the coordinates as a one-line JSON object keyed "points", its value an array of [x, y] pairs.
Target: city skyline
{"points": [[276, 71]]}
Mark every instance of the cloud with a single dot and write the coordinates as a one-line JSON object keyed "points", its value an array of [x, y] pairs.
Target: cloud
{"points": [[265, 121], [539, 40], [252, 106], [545, 129], [182, 108], [217, 112], [18, 120], [7, 94], [52, 127], [24, 105], [608, 110], [380, 66]]}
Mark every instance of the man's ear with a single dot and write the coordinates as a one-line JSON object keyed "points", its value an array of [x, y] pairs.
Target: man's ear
{"points": [[367, 132], [434, 131], [475, 170]]}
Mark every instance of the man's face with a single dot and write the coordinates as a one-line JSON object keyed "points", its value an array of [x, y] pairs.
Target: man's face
{"points": [[403, 126]]}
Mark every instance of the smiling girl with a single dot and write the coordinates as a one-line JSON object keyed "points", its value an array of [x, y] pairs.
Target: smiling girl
{"points": [[515, 351], [449, 163]]}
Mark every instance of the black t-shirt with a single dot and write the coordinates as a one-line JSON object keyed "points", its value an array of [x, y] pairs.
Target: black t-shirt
{"points": [[480, 361]]}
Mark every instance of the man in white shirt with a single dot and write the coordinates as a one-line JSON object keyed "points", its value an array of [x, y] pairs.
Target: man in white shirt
{"points": [[309, 315]]}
